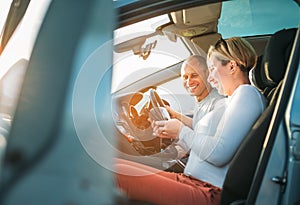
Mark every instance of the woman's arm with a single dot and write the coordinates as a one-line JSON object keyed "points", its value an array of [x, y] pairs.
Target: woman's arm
{"points": [[218, 135]]}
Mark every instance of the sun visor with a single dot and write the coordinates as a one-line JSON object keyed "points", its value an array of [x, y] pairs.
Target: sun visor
{"points": [[194, 21], [206, 41], [198, 15]]}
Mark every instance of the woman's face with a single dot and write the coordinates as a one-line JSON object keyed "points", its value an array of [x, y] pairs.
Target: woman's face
{"points": [[218, 75]]}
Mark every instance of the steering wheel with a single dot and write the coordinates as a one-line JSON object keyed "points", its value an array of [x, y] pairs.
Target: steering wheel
{"points": [[134, 124], [155, 99], [158, 112]]}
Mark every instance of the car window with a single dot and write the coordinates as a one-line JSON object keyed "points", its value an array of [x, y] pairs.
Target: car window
{"points": [[4, 5], [14, 59], [250, 18], [129, 67]]}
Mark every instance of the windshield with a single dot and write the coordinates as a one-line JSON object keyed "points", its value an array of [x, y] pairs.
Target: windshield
{"points": [[129, 68]]}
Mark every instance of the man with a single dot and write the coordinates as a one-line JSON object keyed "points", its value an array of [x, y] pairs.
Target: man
{"points": [[194, 73]]}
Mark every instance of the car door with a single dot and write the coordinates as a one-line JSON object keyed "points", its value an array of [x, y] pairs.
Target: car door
{"points": [[277, 177], [46, 159]]}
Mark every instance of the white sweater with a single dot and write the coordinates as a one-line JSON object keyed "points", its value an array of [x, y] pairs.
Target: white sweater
{"points": [[218, 134]]}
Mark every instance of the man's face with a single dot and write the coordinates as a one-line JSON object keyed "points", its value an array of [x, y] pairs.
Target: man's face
{"points": [[194, 79]]}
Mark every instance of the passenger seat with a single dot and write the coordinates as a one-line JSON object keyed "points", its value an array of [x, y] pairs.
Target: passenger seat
{"points": [[267, 76]]}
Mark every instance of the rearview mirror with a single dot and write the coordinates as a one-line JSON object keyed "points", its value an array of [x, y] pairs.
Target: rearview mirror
{"points": [[137, 44]]}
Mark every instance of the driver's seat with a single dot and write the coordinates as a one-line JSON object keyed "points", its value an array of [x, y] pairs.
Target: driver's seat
{"points": [[267, 77]]}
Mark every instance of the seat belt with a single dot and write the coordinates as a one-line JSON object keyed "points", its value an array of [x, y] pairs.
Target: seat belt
{"points": [[15, 14]]}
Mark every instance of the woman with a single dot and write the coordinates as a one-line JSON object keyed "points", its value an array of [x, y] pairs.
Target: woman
{"points": [[217, 137]]}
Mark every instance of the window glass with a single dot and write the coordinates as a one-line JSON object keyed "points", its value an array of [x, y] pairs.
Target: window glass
{"points": [[256, 17], [129, 67], [14, 59], [10, 86], [4, 8]]}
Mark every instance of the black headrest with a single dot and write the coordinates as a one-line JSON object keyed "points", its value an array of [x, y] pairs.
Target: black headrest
{"points": [[256, 76], [276, 57]]}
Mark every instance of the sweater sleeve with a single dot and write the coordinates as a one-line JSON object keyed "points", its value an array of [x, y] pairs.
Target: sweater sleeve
{"points": [[216, 106], [218, 135], [207, 125]]}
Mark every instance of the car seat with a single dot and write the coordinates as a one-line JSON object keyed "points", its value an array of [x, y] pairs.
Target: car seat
{"points": [[267, 77]]}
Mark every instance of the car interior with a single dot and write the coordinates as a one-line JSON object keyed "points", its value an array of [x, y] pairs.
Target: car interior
{"points": [[268, 76], [50, 131], [197, 28]]}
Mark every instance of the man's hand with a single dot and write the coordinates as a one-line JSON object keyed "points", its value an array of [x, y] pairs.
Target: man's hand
{"points": [[173, 113]]}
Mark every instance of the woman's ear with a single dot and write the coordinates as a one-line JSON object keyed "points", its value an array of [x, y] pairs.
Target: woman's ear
{"points": [[233, 66]]}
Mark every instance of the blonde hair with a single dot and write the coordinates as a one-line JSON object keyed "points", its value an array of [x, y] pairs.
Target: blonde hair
{"points": [[236, 49]]}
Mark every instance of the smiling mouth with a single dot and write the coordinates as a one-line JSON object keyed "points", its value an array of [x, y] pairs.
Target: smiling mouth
{"points": [[192, 88]]}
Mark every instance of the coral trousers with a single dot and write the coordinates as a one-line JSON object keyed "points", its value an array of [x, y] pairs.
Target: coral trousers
{"points": [[141, 182]]}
